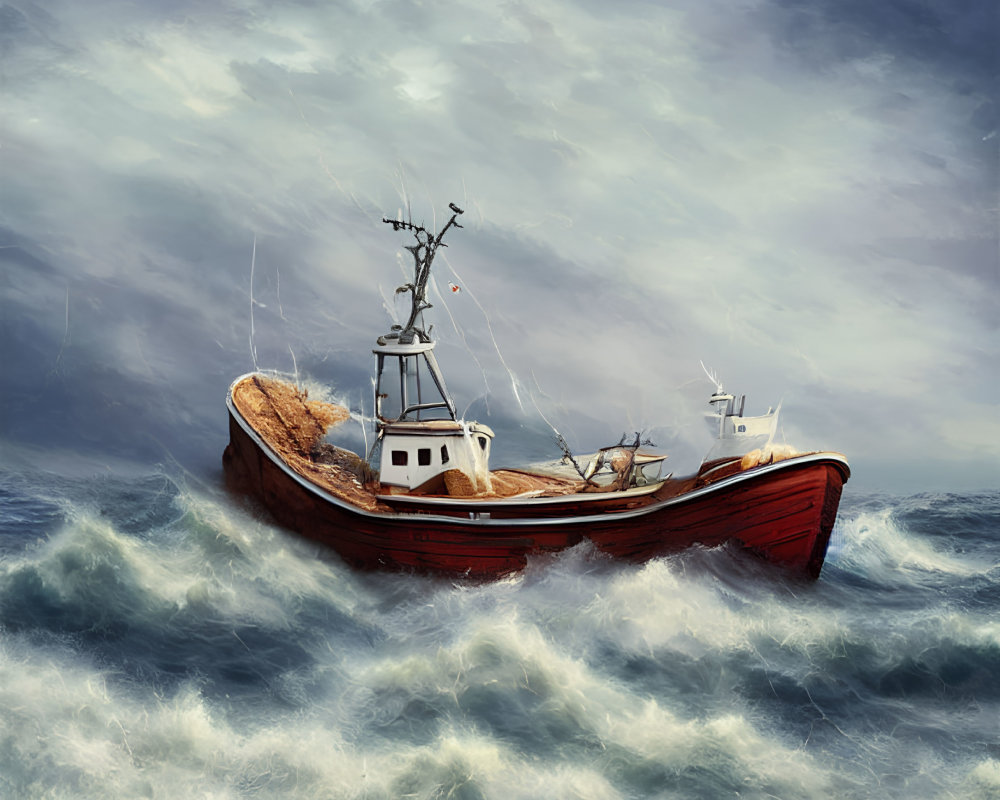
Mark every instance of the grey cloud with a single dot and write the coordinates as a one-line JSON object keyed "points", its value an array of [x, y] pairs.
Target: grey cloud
{"points": [[960, 36], [645, 187]]}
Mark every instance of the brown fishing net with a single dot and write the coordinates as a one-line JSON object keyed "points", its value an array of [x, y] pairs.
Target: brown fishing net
{"points": [[293, 426]]}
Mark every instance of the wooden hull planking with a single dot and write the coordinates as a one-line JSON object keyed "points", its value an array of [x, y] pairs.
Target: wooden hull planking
{"points": [[784, 512]]}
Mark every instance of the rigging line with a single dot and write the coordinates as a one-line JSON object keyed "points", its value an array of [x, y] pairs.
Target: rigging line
{"points": [[295, 366], [467, 203], [489, 327], [486, 402], [461, 334], [390, 308], [253, 261], [534, 402], [362, 422], [712, 376], [472, 203]]}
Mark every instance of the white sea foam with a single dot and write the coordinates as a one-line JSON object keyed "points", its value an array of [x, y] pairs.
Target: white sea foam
{"points": [[653, 606], [95, 741], [286, 565], [580, 677], [81, 738], [983, 781], [223, 563], [493, 653], [876, 544]]}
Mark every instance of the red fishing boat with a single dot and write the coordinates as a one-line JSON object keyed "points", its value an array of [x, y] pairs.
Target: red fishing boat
{"points": [[424, 497]]}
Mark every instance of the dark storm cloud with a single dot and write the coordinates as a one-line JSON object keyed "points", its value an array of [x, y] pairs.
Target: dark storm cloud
{"points": [[953, 44], [958, 36], [793, 195]]}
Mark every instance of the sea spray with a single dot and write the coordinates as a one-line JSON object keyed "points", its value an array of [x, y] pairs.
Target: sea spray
{"points": [[158, 637]]}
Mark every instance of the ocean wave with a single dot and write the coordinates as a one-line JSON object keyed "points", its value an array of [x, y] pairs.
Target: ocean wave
{"points": [[211, 594], [878, 545], [160, 633], [508, 679]]}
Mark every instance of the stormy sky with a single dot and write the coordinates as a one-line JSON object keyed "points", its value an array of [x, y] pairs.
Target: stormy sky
{"points": [[803, 195]]}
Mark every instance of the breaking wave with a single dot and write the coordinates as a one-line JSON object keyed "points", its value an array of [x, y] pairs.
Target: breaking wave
{"points": [[158, 638]]}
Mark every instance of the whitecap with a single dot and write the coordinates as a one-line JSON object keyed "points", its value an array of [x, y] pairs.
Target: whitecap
{"points": [[875, 545]]}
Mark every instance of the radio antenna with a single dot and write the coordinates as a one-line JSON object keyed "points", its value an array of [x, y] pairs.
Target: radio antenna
{"points": [[423, 256]]}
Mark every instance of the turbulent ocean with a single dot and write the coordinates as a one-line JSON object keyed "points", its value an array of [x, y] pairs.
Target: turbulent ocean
{"points": [[801, 195], [159, 638]]}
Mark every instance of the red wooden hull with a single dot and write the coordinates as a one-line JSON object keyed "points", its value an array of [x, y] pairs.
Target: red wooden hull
{"points": [[783, 511]]}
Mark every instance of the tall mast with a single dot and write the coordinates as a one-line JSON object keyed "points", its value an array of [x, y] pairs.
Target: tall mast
{"points": [[410, 347], [423, 255]]}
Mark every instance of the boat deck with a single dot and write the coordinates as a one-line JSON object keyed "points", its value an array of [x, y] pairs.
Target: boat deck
{"points": [[781, 508], [293, 426]]}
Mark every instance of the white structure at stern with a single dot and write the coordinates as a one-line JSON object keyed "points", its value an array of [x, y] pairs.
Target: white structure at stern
{"points": [[736, 434]]}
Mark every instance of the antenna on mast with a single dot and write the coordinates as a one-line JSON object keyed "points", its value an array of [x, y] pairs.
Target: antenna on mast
{"points": [[423, 255], [713, 377]]}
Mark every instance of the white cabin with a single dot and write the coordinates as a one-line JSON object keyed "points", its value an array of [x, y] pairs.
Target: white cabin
{"points": [[736, 435], [417, 430], [413, 454]]}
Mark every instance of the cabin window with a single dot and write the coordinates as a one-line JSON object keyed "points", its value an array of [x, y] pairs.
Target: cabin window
{"points": [[445, 458], [741, 429], [482, 443], [400, 458], [424, 456]]}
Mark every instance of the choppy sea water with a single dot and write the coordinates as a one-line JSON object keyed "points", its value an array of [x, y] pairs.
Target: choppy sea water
{"points": [[158, 639]]}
